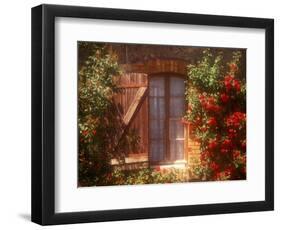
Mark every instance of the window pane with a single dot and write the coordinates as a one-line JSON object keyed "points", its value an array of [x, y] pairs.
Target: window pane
{"points": [[156, 108], [157, 129], [176, 106], [157, 150], [176, 150], [157, 87], [176, 129], [177, 86]]}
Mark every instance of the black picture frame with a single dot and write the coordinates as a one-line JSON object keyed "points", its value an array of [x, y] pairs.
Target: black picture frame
{"points": [[43, 114]]}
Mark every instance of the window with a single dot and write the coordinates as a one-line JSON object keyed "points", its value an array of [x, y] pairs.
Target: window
{"points": [[166, 108]]}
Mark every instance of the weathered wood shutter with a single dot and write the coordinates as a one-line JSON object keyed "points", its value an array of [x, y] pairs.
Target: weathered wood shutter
{"points": [[132, 104]]}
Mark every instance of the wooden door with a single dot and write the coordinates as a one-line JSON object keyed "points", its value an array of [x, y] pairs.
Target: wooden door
{"points": [[166, 108]]}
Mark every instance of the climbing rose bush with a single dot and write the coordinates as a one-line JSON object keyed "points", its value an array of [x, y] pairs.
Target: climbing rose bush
{"points": [[101, 129], [216, 115]]}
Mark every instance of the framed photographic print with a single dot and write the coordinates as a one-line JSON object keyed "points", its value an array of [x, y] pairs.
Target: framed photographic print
{"points": [[142, 114]]}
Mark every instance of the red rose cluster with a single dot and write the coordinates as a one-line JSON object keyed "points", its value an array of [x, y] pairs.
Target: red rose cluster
{"points": [[231, 83], [205, 155], [212, 144], [209, 103], [212, 121], [218, 117], [236, 119], [224, 97]]}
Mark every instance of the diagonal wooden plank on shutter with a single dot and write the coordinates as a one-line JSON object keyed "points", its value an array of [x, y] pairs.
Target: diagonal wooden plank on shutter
{"points": [[130, 99], [132, 110], [135, 105]]}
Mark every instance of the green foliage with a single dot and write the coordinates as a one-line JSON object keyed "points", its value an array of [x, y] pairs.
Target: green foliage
{"points": [[96, 82], [146, 176], [204, 76], [216, 98]]}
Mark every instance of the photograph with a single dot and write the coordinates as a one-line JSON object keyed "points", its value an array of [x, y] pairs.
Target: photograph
{"points": [[157, 114]]}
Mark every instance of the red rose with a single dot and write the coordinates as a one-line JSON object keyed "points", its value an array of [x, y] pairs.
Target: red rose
{"points": [[201, 97], [224, 151], [212, 144], [236, 154], [224, 97], [227, 86], [217, 176], [233, 67], [243, 146], [227, 82], [240, 115], [212, 107], [218, 137], [236, 85], [228, 78], [85, 132], [207, 106], [205, 155], [216, 108], [157, 168], [211, 100], [235, 119], [214, 166], [226, 143], [94, 132], [232, 133], [229, 171], [212, 121]]}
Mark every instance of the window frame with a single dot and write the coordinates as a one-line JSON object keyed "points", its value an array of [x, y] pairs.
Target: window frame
{"points": [[166, 76]]}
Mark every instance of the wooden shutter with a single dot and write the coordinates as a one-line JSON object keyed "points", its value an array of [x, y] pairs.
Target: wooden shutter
{"points": [[132, 103]]}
